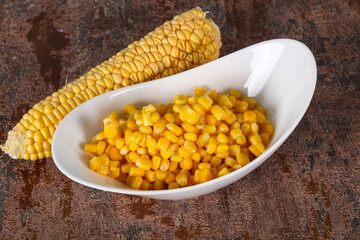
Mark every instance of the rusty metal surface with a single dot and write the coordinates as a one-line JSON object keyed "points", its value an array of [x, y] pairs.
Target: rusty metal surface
{"points": [[309, 189]]}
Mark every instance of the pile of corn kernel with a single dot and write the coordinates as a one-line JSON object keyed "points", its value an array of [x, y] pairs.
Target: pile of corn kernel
{"points": [[191, 141]]}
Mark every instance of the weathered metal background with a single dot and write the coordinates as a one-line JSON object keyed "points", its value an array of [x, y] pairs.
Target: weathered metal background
{"points": [[309, 189]]}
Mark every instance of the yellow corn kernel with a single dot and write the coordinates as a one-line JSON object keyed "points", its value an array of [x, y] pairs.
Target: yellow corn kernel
{"points": [[189, 128], [183, 153], [38, 137], [254, 127], [222, 128], [204, 166], [260, 118], [160, 175], [199, 91], [254, 139], [100, 147], [135, 171], [196, 157], [182, 179], [125, 168], [254, 150], [173, 166], [145, 129], [114, 164], [149, 108], [230, 161], [114, 172], [267, 128], [251, 102], [170, 136], [264, 138], [186, 164], [234, 149], [142, 151], [177, 108], [133, 156], [223, 172], [224, 101], [173, 185], [241, 106], [236, 132], [202, 175], [146, 119], [127, 135], [90, 147], [222, 138], [131, 124], [162, 143], [210, 129], [110, 129], [169, 117], [104, 160], [212, 145], [180, 99], [164, 164], [143, 163], [212, 94], [107, 149], [231, 119], [134, 181], [159, 185], [145, 185], [199, 109], [246, 129], [218, 112], [150, 176], [190, 147], [154, 117], [150, 143], [95, 163], [205, 101], [261, 110], [260, 147], [176, 158], [133, 146], [189, 115], [120, 142], [103, 170], [203, 139], [215, 161], [249, 116], [223, 155], [156, 160], [190, 137], [115, 155], [236, 93], [170, 177], [130, 109], [159, 127], [222, 147]]}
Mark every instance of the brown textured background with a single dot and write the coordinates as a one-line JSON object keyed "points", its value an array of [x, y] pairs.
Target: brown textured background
{"points": [[309, 189]]}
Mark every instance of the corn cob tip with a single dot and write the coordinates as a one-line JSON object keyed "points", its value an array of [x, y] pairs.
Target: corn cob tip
{"points": [[15, 145]]}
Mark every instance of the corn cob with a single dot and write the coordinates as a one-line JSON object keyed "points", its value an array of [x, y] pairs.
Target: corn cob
{"points": [[187, 41]]}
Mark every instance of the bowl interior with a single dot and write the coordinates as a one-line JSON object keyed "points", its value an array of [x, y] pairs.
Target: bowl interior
{"points": [[279, 74]]}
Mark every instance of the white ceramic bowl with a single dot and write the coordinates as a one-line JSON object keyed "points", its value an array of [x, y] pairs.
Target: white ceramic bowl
{"points": [[280, 74]]}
